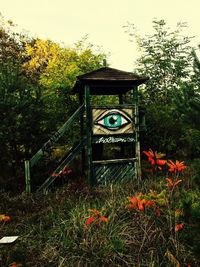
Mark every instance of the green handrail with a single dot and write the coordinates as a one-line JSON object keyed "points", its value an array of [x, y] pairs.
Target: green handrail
{"points": [[55, 137], [66, 161], [30, 163]]}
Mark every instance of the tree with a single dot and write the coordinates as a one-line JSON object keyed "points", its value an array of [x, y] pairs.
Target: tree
{"points": [[36, 77], [54, 69], [167, 60], [19, 103], [190, 103]]}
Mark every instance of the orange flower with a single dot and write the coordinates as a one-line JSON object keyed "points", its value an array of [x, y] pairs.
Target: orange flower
{"points": [[141, 203], [97, 217], [149, 203], [179, 227], [172, 183], [153, 155], [90, 220], [161, 162], [103, 219], [137, 202], [176, 167], [4, 218], [157, 211], [154, 158], [134, 202]]}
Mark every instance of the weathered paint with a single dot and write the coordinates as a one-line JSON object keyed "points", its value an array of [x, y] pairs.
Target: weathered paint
{"points": [[122, 121]]}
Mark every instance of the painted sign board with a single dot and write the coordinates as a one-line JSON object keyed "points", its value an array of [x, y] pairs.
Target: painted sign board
{"points": [[112, 121]]}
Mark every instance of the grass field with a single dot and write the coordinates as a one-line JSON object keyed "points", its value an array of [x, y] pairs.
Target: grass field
{"points": [[155, 222]]}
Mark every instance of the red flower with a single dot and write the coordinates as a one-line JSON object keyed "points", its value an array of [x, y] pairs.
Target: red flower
{"points": [[14, 264], [55, 174], [141, 203], [90, 220], [134, 202], [155, 158], [161, 162], [179, 227], [149, 203], [4, 218], [97, 217], [137, 202], [176, 167], [157, 211], [64, 171]]}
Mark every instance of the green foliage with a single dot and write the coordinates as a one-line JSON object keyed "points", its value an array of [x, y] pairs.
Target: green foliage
{"points": [[18, 99], [171, 96], [166, 59], [36, 78]]}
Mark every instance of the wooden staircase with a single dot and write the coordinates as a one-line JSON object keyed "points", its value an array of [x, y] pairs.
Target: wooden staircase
{"points": [[76, 149], [70, 156]]}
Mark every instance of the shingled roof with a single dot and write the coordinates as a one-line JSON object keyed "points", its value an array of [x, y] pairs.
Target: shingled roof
{"points": [[108, 81]]}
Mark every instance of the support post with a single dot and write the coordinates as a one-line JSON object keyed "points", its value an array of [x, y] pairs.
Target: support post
{"points": [[27, 176], [82, 135], [122, 149], [137, 133], [120, 99], [89, 136]]}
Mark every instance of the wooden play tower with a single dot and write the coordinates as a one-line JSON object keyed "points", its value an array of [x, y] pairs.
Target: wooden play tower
{"points": [[115, 125], [109, 137]]}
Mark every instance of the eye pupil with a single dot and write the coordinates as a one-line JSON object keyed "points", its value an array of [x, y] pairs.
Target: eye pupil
{"points": [[112, 120]]}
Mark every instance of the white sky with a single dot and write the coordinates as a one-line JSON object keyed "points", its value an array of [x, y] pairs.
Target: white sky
{"points": [[67, 21]]}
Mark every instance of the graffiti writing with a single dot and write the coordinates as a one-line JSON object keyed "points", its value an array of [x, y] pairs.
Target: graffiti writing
{"points": [[111, 139]]}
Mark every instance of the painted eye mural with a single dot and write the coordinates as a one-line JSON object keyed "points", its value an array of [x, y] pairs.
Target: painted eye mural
{"points": [[112, 121]]}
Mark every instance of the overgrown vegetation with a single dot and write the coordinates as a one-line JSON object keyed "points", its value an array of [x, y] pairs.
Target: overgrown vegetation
{"points": [[155, 223], [36, 77], [171, 96]]}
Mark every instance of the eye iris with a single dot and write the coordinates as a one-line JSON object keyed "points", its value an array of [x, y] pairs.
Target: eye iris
{"points": [[113, 121]]}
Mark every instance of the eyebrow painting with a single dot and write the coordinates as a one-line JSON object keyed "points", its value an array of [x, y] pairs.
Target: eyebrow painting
{"points": [[112, 121]]}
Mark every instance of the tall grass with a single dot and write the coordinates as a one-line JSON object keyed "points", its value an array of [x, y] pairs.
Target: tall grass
{"points": [[53, 229]]}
